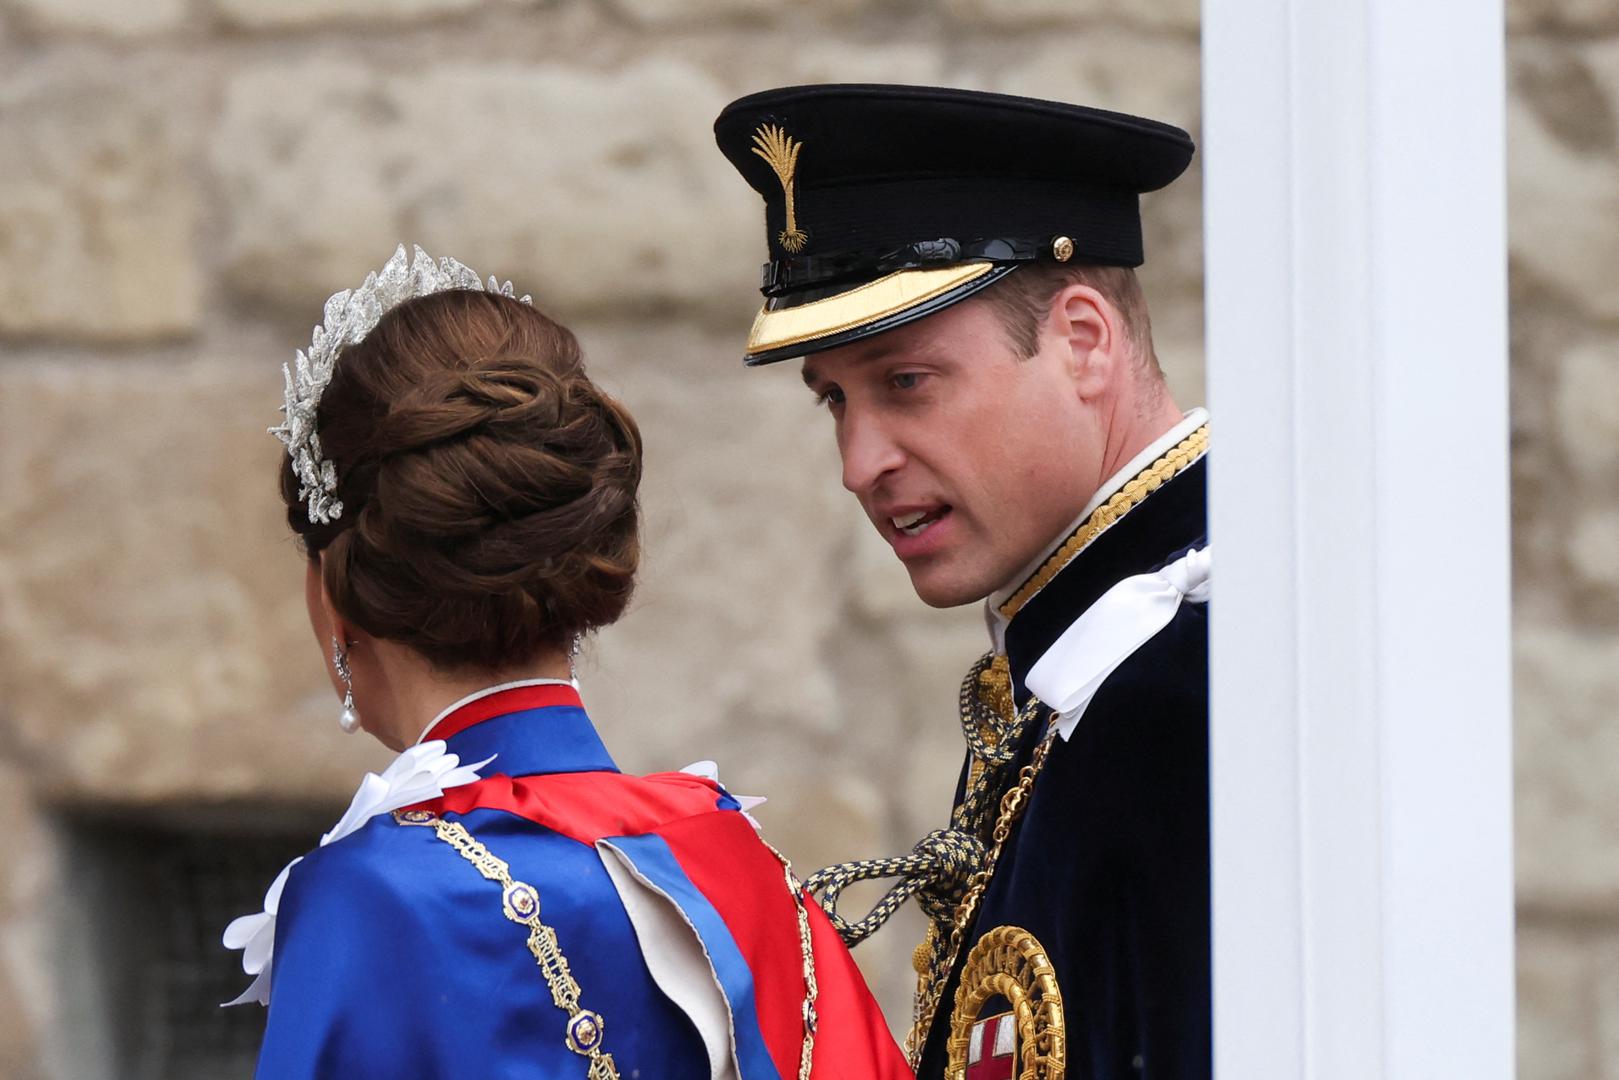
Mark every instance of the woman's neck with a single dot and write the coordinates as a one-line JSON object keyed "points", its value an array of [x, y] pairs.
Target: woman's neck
{"points": [[398, 693]]}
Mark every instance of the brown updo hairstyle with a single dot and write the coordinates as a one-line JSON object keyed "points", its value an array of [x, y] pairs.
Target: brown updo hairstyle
{"points": [[488, 486]]}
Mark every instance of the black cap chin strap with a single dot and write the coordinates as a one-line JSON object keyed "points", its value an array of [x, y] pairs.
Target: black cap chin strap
{"points": [[816, 271]]}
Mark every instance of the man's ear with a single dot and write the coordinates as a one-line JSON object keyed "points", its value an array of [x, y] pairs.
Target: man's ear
{"points": [[1090, 331]]}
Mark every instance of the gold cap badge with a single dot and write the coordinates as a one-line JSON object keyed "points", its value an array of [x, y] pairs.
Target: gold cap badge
{"points": [[780, 150]]}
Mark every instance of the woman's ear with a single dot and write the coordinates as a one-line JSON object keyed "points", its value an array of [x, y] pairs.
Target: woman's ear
{"points": [[324, 617]]}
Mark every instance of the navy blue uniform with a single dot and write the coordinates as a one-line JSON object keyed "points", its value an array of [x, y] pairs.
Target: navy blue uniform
{"points": [[1109, 865]]}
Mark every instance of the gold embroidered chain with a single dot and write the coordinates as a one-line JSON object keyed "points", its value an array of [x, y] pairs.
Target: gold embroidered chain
{"points": [[1132, 494], [806, 947], [1012, 804], [521, 902]]}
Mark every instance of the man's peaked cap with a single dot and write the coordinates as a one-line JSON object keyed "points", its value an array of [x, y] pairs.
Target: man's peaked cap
{"points": [[887, 203]]}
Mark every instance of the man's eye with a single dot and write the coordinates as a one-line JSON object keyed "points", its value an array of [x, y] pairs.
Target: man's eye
{"points": [[906, 380], [830, 396]]}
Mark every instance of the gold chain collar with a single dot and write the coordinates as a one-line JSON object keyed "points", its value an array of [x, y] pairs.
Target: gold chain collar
{"points": [[521, 902], [1127, 498]]}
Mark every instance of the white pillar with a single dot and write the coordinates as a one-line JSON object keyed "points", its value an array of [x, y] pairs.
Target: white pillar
{"points": [[1361, 728]]}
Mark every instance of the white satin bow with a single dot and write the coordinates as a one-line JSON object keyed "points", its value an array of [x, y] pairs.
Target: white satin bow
{"points": [[1125, 618]]}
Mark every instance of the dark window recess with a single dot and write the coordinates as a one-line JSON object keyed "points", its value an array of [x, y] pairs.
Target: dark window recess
{"points": [[152, 900]]}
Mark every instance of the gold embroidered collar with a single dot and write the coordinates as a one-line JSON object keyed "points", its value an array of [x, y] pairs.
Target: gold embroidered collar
{"points": [[1127, 498]]}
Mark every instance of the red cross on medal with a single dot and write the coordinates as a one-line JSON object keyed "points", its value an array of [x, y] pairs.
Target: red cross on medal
{"points": [[992, 1051]]}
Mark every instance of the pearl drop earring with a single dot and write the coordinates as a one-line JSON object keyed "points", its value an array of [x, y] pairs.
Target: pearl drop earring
{"points": [[348, 719]]}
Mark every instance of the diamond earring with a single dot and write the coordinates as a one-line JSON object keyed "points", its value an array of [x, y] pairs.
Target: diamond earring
{"points": [[348, 719], [573, 657]]}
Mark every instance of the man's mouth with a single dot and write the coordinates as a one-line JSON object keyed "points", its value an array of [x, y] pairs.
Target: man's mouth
{"points": [[917, 522]]}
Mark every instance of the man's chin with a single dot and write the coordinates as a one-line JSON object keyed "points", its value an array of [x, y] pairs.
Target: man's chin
{"points": [[937, 587]]}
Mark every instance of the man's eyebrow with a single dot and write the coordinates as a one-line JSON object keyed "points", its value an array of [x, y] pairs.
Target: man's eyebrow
{"points": [[877, 352]]}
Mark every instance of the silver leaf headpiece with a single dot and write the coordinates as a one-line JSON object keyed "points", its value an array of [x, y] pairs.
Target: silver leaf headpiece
{"points": [[349, 316]]}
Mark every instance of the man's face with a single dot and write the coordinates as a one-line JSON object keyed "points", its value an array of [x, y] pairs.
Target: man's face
{"points": [[968, 458]]}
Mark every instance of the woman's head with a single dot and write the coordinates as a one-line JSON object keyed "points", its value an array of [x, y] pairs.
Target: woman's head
{"points": [[488, 487]]}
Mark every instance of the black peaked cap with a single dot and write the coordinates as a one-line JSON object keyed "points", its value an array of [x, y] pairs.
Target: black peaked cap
{"points": [[885, 180]]}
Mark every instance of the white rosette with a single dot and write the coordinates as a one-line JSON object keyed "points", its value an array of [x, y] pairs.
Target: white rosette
{"points": [[709, 770], [425, 771]]}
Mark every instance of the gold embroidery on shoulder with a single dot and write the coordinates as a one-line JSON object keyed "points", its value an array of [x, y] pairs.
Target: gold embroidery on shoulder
{"points": [[521, 903], [780, 151], [1130, 496]]}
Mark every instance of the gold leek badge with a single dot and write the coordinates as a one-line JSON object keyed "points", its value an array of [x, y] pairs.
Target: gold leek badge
{"points": [[780, 150]]}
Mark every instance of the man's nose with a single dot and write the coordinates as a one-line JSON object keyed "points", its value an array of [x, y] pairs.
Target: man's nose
{"points": [[869, 451]]}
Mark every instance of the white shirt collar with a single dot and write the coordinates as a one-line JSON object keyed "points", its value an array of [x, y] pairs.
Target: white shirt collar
{"points": [[485, 692], [993, 618]]}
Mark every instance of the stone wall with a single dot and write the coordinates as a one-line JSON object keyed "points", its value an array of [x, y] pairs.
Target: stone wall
{"points": [[1564, 179], [182, 182]]}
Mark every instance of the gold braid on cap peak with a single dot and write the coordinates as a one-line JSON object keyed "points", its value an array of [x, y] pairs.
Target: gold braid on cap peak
{"points": [[349, 316]]}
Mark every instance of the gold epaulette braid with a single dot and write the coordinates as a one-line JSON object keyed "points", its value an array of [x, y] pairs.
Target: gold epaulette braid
{"points": [[521, 902]]}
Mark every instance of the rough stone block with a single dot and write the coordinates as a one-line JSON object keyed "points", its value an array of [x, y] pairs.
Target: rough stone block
{"points": [[1106, 71], [1563, 169], [1603, 950], [292, 14], [1179, 15], [751, 67], [740, 585], [1587, 407], [28, 879], [96, 215], [1594, 548], [597, 192], [1145, 74], [1183, 360], [1585, 15], [119, 18], [705, 12], [1566, 744], [153, 639], [1556, 1021], [19, 1054]]}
